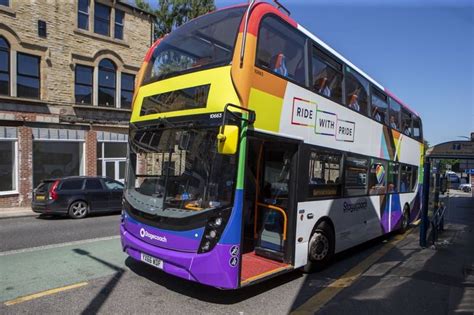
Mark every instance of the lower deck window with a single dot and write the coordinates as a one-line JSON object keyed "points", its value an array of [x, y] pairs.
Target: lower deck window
{"points": [[324, 174]]}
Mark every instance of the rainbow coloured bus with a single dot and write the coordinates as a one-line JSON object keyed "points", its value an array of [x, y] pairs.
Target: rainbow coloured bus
{"points": [[256, 149]]}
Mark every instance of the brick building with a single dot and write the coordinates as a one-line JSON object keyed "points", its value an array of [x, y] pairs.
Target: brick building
{"points": [[67, 72]]}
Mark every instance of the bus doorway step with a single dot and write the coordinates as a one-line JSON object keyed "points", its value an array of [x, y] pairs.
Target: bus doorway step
{"points": [[255, 267], [268, 253]]}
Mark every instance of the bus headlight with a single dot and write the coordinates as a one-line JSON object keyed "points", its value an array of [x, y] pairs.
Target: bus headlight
{"points": [[213, 231]]}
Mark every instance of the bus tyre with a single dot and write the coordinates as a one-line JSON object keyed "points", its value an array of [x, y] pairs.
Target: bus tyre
{"points": [[78, 209], [320, 248], [405, 220]]}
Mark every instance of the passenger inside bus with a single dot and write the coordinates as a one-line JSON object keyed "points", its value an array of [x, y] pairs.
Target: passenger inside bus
{"points": [[377, 115], [322, 86], [393, 123], [353, 103]]}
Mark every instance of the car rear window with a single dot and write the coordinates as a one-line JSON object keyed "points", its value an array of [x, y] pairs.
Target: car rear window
{"points": [[72, 184], [44, 186]]}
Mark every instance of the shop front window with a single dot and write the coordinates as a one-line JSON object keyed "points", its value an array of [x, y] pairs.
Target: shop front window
{"points": [[7, 165], [56, 159]]}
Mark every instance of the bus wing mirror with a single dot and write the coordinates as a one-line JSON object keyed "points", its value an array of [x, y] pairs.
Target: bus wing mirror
{"points": [[227, 139]]}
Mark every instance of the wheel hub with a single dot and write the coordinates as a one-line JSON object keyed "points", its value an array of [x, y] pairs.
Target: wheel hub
{"points": [[319, 248]]}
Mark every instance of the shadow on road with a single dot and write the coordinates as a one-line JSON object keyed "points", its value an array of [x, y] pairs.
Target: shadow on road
{"points": [[203, 292], [94, 306], [410, 279]]}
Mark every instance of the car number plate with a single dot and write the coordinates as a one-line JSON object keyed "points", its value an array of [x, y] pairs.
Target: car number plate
{"points": [[158, 263], [40, 198]]}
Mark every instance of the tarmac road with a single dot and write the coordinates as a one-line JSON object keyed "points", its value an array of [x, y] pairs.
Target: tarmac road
{"points": [[81, 269]]}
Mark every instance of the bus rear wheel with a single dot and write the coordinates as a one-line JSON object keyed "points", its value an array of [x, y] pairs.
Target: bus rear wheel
{"points": [[405, 220], [320, 248]]}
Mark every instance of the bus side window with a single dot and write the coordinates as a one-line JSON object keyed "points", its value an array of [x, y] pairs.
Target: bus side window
{"points": [[417, 128], [406, 174], [378, 177], [281, 49], [379, 106], [355, 176], [406, 122], [394, 120], [326, 75], [357, 91], [324, 174]]}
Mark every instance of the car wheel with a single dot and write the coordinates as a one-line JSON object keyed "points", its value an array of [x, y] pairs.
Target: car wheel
{"points": [[405, 220], [78, 209], [320, 248]]}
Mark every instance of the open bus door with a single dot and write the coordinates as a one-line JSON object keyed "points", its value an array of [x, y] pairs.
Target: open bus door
{"points": [[270, 206]]}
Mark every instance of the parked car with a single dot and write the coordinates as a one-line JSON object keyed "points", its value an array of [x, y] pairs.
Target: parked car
{"points": [[465, 187], [77, 196]]}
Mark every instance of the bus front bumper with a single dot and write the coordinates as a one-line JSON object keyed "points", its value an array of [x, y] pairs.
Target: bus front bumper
{"points": [[212, 268]]}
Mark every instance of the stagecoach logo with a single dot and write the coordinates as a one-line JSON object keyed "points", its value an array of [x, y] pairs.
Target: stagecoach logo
{"points": [[144, 233], [354, 207]]}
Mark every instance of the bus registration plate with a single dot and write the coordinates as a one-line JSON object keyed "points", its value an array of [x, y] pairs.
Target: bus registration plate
{"points": [[158, 263]]}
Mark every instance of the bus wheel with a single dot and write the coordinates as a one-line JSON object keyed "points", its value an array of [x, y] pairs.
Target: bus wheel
{"points": [[405, 220], [320, 248]]}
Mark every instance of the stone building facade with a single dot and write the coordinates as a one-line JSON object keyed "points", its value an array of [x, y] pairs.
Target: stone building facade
{"points": [[67, 72]]}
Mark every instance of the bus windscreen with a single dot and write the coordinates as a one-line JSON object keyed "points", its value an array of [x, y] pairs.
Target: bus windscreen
{"points": [[175, 172], [205, 42]]}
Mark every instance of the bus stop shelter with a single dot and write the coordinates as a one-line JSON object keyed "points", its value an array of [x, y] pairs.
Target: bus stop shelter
{"points": [[435, 183]]}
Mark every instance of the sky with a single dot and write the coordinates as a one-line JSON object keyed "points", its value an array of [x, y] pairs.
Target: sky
{"points": [[421, 50]]}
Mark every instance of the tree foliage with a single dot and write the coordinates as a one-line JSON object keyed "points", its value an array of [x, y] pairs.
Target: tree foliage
{"points": [[172, 13]]}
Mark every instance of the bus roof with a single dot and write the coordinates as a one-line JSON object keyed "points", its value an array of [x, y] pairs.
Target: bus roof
{"points": [[347, 62]]}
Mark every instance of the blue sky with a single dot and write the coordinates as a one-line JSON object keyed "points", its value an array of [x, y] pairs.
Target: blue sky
{"points": [[421, 50]]}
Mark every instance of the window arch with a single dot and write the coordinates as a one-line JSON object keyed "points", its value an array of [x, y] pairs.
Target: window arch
{"points": [[107, 83], [4, 67]]}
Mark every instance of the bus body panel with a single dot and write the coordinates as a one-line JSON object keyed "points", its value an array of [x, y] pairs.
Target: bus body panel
{"points": [[221, 93], [288, 110], [212, 268]]}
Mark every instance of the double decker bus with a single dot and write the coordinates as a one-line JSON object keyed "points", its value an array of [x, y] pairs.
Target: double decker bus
{"points": [[256, 149]]}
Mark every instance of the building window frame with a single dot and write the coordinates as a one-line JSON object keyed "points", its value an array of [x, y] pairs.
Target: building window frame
{"points": [[126, 90], [83, 84], [101, 158], [119, 25], [5, 4], [102, 85], [102, 19], [83, 13], [15, 173], [28, 76], [7, 51]]}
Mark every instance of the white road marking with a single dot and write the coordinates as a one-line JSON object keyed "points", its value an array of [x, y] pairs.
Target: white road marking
{"points": [[44, 247]]}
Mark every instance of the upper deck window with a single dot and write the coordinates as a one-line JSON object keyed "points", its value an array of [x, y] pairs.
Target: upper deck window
{"points": [[280, 49], [379, 107], [205, 42], [394, 120], [326, 75], [417, 133], [357, 91]]}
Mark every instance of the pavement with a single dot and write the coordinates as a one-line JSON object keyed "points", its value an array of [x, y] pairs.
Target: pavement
{"points": [[16, 212], [77, 266]]}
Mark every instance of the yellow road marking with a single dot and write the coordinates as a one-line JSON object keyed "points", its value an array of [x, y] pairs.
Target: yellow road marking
{"points": [[44, 293], [313, 304]]}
